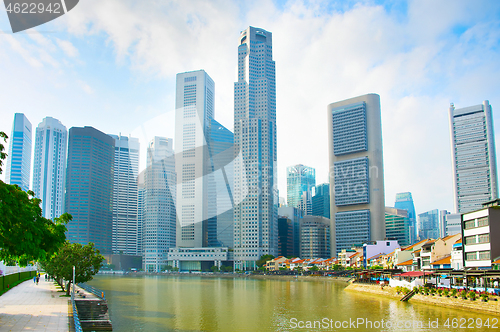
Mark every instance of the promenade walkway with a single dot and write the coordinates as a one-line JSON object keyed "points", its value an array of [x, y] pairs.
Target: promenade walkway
{"points": [[31, 307]]}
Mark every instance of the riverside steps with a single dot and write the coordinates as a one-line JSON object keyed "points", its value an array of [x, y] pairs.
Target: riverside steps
{"points": [[92, 309]]}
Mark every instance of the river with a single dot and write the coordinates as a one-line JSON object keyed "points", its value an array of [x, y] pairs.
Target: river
{"points": [[194, 303]]}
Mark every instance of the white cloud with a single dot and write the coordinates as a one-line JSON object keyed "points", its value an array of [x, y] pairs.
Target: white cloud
{"points": [[67, 47]]}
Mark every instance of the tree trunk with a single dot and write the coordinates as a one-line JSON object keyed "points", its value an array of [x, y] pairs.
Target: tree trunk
{"points": [[60, 283], [68, 289]]}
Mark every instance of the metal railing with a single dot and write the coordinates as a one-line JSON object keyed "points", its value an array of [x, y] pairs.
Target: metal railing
{"points": [[78, 327], [97, 292]]}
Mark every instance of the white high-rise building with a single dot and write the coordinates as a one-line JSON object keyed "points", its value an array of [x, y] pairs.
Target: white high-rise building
{"points": [[49, 166], [125, 199], [160, 217], [18, 165], [196, 209], [255, 180], [473, 156]]}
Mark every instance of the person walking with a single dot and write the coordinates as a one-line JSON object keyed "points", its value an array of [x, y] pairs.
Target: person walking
{"points": [[37, 278], [34, 279]]}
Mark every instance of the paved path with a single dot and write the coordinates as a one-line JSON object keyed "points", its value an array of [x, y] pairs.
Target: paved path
{"points": [[31, 307]]}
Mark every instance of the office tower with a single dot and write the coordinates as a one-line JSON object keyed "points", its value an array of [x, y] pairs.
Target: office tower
{"points": [[404, 201], [428, 225], [141, 215], [125, 195], [453, 223], [49, 166], [314, 237], [17, 170], [442, 222], [285, 237], [160, 214], [473, 156], [196, 209], [255, 180], [356, 172], [89, 187], [300, 179], [397, 226], [221, 148], [321, 200], [295, 215]]}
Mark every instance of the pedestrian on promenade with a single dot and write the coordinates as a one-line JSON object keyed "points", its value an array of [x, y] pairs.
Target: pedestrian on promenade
{"points": [[37, 279], [34, 279]]}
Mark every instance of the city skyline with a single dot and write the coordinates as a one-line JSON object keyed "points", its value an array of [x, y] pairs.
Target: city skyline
{"points": [[120, 78]]}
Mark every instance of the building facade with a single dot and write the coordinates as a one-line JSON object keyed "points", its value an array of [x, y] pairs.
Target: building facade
{"points": [[453, 223], [428, 225], [89, 187], [255, 177], [18, 164], [196, 209], [49, 166], [321, 200], [404, 201], [473, 156], [300, 179], [159, 230], [125, 196], [397, 226], [314, 237], [285, 237], [357, 206]]}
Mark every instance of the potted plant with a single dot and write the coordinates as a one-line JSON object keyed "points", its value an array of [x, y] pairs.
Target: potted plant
{"points": [[484, 297], [454, 293], [463, 294], [472, 295], [446, 292]]}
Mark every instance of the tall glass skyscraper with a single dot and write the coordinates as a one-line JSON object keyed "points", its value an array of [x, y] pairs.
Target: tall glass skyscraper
{"points": [[89, 187], [255, 180], [300, 179], [49, 166], [473, 156], [428, 225], [356, 172], [159, 231], [397, 225], [404, 201], [321, 200], [125, 195], [18, 168]]}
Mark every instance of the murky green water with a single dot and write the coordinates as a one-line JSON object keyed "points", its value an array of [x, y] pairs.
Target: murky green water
{"points": [[190, 303]]}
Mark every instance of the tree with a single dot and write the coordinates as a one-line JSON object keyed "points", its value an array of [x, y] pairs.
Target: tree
{"points": [[263, 259], [214, 268], [314, 268], [86, 259], [24, 234]]}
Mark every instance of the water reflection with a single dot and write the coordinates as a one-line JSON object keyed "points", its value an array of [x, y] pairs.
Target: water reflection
{"points": [[191, 303]]}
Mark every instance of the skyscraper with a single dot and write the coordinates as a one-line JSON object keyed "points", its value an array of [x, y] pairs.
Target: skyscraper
{"points": [[300, 179], [89, 187], [18, 168], [356, 172], [321, 200], [255, 180], [397, 225], [473, 156], [428, 225], [196, 209], [159, 231], [404, 201], [49, 166], [125, 195]]}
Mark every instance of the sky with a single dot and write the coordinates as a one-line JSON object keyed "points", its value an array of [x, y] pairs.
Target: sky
{"points": [[112, 65]]}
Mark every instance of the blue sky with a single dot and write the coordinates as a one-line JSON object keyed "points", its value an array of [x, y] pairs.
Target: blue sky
{"points": [[112, 65]]}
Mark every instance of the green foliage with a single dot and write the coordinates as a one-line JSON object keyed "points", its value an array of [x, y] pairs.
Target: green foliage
{"points": [[338, 267], [471, 295], [453, 292], [86, 259], [24, 234], [214, 269], [463, 294], [314, 268], [263, 259], [376, 267], [3, 155], [168, 267]]}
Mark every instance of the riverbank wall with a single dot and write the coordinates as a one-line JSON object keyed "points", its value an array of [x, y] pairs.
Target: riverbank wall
{"points": [[490, 307]]}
